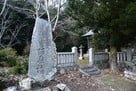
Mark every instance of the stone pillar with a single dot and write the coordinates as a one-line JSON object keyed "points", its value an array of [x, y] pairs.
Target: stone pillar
{"points": [[81, 52], [129, 54], [74, 50], [106, 50], [91, 56]]}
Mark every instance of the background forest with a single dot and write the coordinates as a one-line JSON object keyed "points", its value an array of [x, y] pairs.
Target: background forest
{"points": [[113, 23]]}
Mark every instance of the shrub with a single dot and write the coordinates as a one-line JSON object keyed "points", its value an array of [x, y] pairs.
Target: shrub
{"points": [[21, 66], [8, 57]]}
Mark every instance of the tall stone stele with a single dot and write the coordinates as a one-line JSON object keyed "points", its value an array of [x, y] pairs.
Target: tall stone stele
{"points": [[42, 58]]}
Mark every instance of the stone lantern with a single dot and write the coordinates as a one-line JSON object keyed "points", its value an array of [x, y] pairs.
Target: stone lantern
{"points": [[81, 52], [87, 35]]}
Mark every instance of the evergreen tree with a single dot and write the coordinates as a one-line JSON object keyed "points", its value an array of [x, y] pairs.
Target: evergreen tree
{"points": [[113, 22]]}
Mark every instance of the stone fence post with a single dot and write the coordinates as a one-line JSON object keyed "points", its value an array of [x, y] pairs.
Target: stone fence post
{"points": [[129, 54], [91, 56], [74, 50], [106, 50]]}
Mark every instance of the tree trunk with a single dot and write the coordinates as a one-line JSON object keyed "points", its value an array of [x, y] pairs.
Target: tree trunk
{"points": [[113, 60]]}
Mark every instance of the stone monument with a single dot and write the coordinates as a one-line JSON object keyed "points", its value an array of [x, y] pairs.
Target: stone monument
{"points": [[42, 58]]}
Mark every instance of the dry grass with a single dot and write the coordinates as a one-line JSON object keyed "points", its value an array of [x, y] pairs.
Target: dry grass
{"points": [[83, 62], [118, 83]]}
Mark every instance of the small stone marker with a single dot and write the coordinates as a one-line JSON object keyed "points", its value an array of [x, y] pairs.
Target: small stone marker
{"points": [[13, 88], [42, 58]]}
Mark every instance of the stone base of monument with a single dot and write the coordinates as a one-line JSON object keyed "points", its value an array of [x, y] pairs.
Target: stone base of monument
{"points": [[53, 85], [28, 83], [58, 87], [130, 75]]}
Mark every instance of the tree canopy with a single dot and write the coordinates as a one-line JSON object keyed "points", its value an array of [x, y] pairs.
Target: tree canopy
{"points": [[113, 22]]}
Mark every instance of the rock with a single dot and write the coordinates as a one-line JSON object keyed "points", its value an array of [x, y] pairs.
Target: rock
{"points": [[7, 82], [25, 84], [62, 70], [13, 88], [75, 68], [45, 89], [40, 89], [42, 58], [51, 88], [55, 88], [61, 86], [130, 75], [67, 89]]}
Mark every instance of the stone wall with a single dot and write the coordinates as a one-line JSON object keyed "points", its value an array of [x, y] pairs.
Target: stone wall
{"points": [[124, 59], [100, 59]]}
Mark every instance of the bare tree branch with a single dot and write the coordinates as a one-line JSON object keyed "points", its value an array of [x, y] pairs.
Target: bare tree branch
{"points": [[29, 12], [57, 16], [48, 5], [14, 34], [4, 5], [37, 7], [6, 22]]}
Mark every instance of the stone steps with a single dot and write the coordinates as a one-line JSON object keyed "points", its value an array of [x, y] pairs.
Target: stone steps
{"points": [[91, 71]]}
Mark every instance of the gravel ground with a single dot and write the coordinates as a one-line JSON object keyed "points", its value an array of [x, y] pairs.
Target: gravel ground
{"points": [[78, 81]]}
